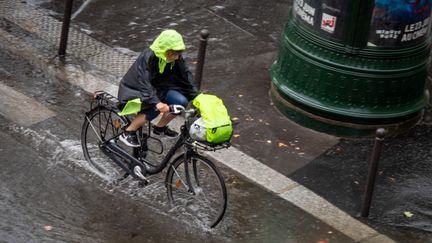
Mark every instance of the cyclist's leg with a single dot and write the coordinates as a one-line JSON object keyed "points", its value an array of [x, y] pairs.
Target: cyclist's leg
{"points": [[174, 97], [141, 118], [129, 137], [136, 123]]}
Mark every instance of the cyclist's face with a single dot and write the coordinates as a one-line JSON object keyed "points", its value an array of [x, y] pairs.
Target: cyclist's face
{"points": [[173, 55]]}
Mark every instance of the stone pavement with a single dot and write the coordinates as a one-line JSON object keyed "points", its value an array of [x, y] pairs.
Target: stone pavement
{"points": [[239, 75]]}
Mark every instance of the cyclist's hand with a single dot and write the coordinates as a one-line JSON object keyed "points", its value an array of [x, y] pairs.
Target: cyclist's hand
{"points": [[162, 107]]}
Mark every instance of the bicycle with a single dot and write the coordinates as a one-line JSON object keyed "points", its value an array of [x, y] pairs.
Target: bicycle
{"points": [[191, 179]]}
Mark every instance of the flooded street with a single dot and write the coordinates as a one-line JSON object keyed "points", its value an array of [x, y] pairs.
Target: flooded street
{"points": [[50, 193]]}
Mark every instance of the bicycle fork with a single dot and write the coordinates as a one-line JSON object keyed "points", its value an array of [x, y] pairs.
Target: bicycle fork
{"points": [[188, 159]]}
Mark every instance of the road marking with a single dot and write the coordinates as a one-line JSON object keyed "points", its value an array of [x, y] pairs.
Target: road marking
{"points": [[20, 108], [327, 212], [296, 194]]}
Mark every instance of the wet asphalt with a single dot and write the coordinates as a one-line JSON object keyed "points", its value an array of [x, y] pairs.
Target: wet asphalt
{"points": [[242, 46], [50, 194]]}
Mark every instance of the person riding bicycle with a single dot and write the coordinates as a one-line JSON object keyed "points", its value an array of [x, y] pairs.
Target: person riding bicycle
{"points": [[159, 78]]}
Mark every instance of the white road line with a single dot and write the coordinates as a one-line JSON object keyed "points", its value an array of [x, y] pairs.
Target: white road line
{"points": [[296, 194], [20, 108]]}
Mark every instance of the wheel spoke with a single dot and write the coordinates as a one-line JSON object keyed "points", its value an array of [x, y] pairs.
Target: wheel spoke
{"points": [[94, 129], [207, 202], [194, 165], [97, 127], [180, 178]]}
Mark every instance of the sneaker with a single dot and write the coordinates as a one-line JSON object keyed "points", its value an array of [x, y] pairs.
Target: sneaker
{"points": [[164, 131], [130, 139]]}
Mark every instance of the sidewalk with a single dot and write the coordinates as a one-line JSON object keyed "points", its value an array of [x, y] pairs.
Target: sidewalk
{"points": [[236, 72]]}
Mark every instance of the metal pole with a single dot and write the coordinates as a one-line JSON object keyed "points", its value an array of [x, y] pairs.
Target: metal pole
{"points": [[201, 55], [373, 168], [65, 28]]}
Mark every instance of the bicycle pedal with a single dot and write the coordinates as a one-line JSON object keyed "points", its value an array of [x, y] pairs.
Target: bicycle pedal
{"points": [[138, 172]]}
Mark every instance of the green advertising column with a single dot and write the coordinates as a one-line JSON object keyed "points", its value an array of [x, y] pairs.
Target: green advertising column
{"points": [[347, 67]]}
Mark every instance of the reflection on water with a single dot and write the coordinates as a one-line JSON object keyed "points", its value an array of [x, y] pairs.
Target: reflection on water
{"points": [[53, 206]]}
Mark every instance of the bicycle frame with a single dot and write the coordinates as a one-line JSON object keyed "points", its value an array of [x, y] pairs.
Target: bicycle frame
{"points": [[110, 148], [117, 154]]}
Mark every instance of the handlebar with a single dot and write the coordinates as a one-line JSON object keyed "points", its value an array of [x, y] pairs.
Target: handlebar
{"points": [[178, 109]]}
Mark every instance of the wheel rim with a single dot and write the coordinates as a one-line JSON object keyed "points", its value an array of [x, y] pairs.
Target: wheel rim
{"points": [[207, 203], [104, 125]]}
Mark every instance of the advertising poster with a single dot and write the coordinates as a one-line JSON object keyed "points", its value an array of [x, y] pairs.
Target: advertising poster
{"points": [[399, 23], [325, 17]]}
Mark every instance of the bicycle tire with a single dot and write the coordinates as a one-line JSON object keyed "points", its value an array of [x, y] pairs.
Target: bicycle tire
{"points": [[208, 203], [103, 128]]}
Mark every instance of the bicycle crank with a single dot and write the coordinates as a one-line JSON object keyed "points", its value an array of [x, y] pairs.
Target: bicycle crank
{"points": [[138, 172]]}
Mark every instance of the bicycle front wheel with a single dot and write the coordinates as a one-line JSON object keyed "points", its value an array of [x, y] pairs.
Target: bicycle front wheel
{"points": [[197, 189]]}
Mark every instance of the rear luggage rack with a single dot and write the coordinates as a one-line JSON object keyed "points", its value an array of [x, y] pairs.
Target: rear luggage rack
{"points": [[209, 146], [104, 99]]}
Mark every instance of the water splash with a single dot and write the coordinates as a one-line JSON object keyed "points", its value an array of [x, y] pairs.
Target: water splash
{"points": [[68, 153]]}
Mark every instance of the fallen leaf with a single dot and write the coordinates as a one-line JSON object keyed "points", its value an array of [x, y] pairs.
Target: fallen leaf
{"points": [[282, 145], [235, 119], [322, 241], [297, 148], [408, 214], [48, 227], [236, 135]]}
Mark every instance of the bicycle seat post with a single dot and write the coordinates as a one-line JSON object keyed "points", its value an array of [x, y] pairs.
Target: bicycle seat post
{"points": [[141, 152]]}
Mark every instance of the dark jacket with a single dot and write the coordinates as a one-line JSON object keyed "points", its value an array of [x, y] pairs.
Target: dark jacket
{"points": [[144, 81]]}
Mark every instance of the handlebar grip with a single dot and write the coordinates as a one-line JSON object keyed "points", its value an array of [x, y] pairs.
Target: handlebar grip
{"points": [[176, 109]]}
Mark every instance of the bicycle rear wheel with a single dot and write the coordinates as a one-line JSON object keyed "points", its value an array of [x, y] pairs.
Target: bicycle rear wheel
{"points": [[100, 125], [197, 189]]}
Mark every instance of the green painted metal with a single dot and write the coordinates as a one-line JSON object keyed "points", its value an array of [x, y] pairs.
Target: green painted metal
{"points": [[346, 80]]}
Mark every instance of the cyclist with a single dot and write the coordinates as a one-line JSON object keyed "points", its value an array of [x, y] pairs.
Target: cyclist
{"points": [[159, 77]]}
